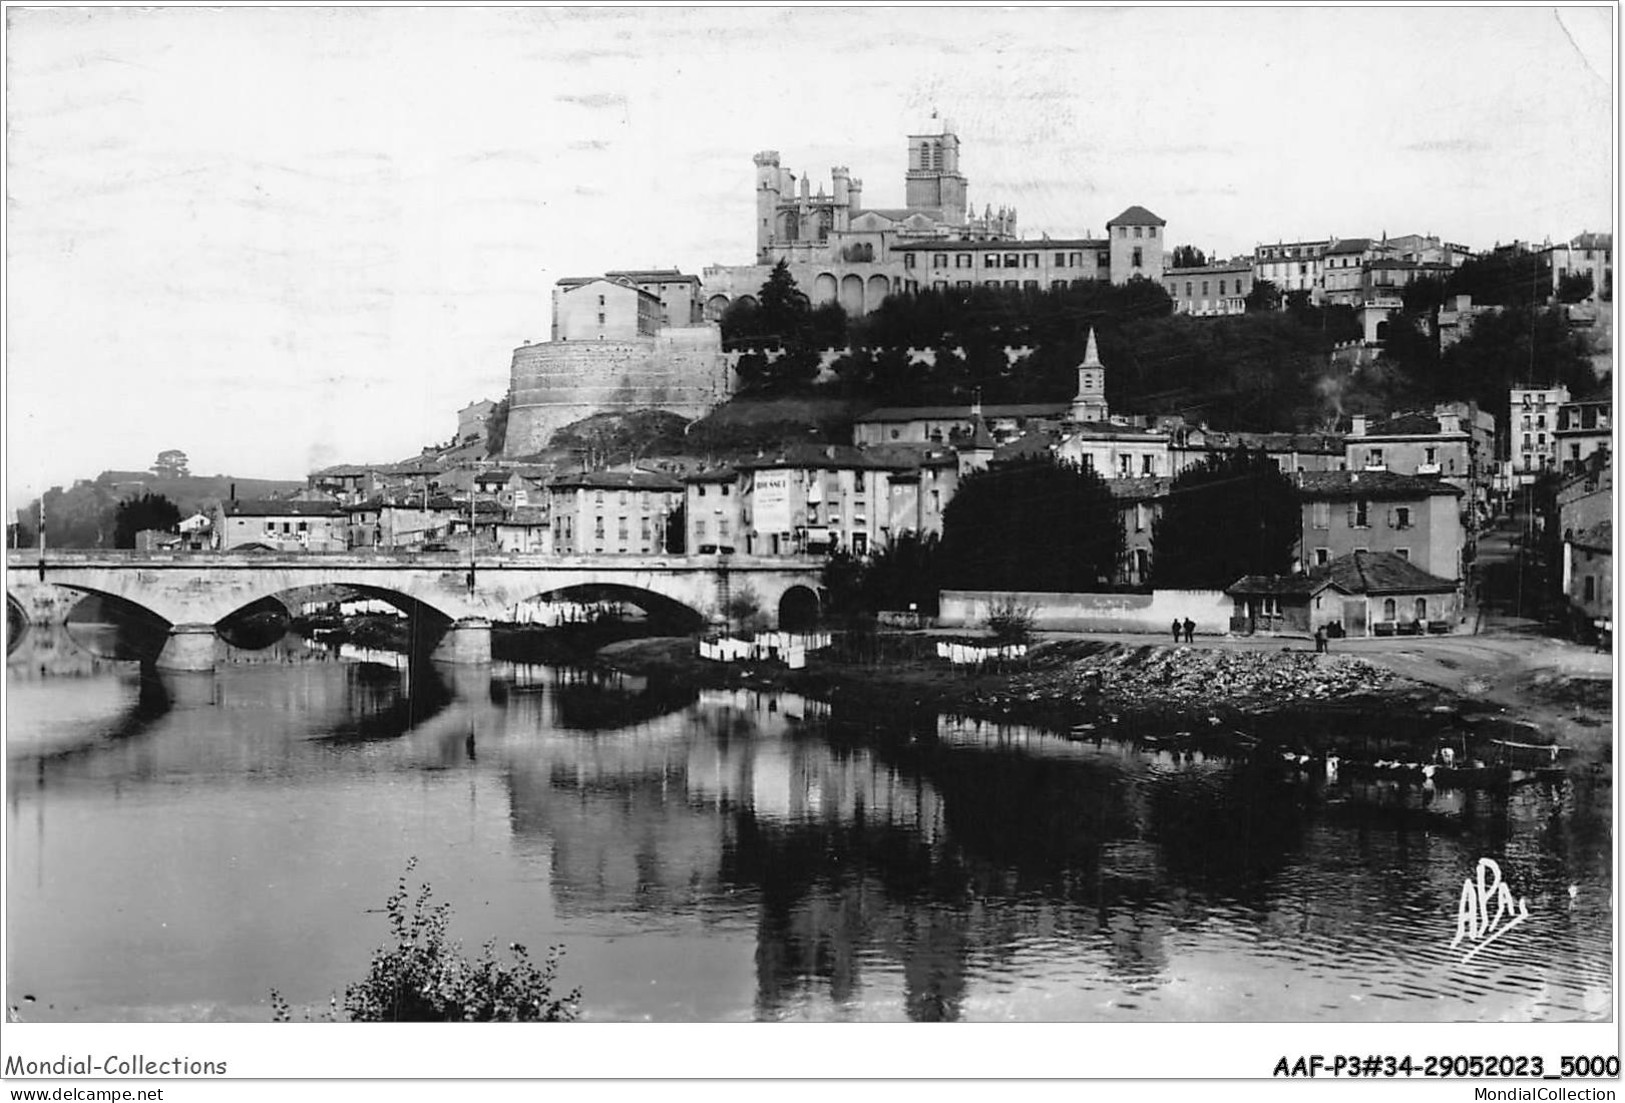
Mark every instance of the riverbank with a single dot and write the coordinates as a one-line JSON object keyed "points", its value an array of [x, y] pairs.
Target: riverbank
{"points": [[1536, 691]]}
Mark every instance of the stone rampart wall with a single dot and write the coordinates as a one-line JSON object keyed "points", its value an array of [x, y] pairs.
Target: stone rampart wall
{"points": [[682, 369]]}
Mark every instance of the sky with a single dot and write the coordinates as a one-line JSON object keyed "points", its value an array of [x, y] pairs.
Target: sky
{"points": [[282, 238]]}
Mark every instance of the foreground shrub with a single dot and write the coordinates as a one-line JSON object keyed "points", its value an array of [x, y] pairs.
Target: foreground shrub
{"points": [[424, 976]]}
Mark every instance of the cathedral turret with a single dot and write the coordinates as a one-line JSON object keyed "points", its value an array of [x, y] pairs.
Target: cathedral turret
{"points": [[768, 179]]}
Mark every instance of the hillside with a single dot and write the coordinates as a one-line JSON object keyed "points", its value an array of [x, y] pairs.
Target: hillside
{"points": [[81, 516]]}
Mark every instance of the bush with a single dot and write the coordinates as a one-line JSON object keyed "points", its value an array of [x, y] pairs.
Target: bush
{"points": [[743, 610], [424, 976], [1010, 621]]}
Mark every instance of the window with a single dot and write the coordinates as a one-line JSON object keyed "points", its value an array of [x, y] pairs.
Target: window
{"points": [[990, 260], [1431, 454], [963, 285], [1126, 464], [908, 260], [1122, 231], [643, 528], [304, 526], [598, 526], [1321, 515], [1187, 289], [939, 260], [1029, 260], [857, 482], [1323, 556], [1526, 440], [1540, 421], [600, 319], [1088, 462], [1204, 288], [1137, 231], [699, 528], [1362, 515], [623, 499], [1012, 260], [1150, 231], [598, 497], [1148, 465], [1137, 260], [600, 300], [1376, 458], [1389, 610], [723, 528], [1221, 287], [1590, 588], [1403, 553], [1402, 517], [1421, 608], [964, 260], [1060, 260]]}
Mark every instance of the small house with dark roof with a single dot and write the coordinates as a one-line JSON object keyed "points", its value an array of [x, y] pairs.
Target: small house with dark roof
{"points": [[1363, 594], [1419, 519], [281, 524]]}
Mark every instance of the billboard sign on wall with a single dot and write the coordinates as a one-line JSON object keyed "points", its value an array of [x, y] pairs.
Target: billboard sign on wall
{"points": [[772, 501]]}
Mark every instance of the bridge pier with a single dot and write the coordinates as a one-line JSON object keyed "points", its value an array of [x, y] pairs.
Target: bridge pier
{"points": [[466, 643], [189, 647]]}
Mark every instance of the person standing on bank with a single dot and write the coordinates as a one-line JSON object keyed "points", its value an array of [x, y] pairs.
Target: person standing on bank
{"points": [[1190, 630], [1176, 629], [1320, 639]]}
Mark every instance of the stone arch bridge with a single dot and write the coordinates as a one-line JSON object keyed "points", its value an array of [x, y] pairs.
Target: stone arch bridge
{"points": [[194, 592]]}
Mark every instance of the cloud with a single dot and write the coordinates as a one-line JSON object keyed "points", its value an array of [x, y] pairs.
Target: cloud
{"points": [[1447, 145], [589, 145], [595, 100]]}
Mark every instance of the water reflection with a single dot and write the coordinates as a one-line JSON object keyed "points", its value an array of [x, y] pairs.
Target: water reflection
{"points": [[714, 855]]}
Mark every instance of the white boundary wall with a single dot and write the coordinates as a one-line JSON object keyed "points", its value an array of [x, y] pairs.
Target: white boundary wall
{"points": [[1154, 612]]}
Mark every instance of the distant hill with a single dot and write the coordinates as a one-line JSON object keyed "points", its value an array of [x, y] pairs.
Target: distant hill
{"points": [[81, 516]]}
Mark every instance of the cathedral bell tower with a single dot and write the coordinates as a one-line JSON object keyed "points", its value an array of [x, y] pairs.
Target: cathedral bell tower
{"points": [[1090, 402]]}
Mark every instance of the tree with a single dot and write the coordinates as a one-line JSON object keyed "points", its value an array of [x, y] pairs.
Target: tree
{"points": [[1423, 295], [1234, 515], [170, 464], [1264, 296], [1188, 256], [1034, 524], [149, 511], [1575, 287], [783, 306], [496, 428]]}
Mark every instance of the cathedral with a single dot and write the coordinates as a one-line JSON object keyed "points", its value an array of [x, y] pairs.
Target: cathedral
{"points": [[838, 250]]}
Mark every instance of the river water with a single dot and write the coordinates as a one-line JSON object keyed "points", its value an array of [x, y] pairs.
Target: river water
{"points": [[179, 846]]}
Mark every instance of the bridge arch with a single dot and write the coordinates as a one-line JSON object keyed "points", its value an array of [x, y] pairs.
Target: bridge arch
{"points": [[17, 623], [680, 616], [799, 607]]}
